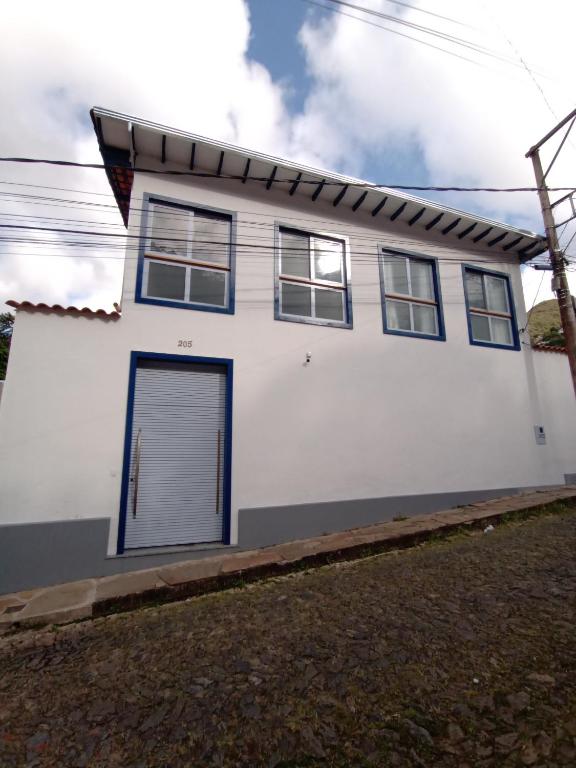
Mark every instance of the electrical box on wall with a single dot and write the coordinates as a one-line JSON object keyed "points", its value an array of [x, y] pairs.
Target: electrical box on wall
{"points": [[540, 435]]}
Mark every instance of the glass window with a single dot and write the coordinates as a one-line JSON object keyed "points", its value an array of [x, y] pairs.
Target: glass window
{"points": [[475, 290], [396, 274], [328, 262], [210, 239], [421, 280], [295, 250], [181, 241], [312, 278], [496, 298], [169, 232], [411, 303], [424, 319], [329, 304], [501, 330], [480, 327], [166, 281], [489, 308], [208, 287], [297, 299]]}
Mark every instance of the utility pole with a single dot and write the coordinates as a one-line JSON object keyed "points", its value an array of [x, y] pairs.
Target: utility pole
{"points": [[557, 261]]}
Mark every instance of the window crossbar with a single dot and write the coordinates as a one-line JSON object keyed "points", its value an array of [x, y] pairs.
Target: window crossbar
{"points": [[410, 299], [188, 262], [490, 313], [318, 283]]}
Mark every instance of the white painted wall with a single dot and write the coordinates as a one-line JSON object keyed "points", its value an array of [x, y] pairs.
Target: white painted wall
{"points": [[558, 407], [373, 415]]}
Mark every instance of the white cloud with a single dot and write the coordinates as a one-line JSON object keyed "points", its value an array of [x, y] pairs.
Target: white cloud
{"points": [[186, 65], [178, 63], [473, 124]]}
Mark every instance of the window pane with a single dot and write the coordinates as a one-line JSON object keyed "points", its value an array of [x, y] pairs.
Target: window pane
{"points": [[496, 293], [208, 287], [296, 299], [501, 331], [169, 231], [295, 254], [421, 278], [474, 290], [329, 304], [166, 281], [398, 315], [425, 319], [395, 274], [480, 328], [328, 257], [211, 239]]}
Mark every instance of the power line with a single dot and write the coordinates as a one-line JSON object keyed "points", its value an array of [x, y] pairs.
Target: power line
{"points": [[241, 177], [475, 49], [533, 303], [426, 30], [523, 63], [431, 13], [138, 238]]}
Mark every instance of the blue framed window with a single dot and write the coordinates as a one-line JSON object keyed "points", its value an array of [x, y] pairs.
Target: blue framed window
{"points": [[186, 257], [490, 308], [411, 300], [312, 278]]}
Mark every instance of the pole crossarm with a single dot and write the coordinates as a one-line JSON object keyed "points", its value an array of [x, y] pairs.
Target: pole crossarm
{"points": [[557, 261], [551, 133], [559, 149]]}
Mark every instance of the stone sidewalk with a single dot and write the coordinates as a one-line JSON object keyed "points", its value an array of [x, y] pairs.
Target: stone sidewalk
{"points": [[82, 599]]}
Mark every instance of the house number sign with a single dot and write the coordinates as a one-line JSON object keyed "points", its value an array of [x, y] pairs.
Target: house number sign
{"points": [[184, 342]]}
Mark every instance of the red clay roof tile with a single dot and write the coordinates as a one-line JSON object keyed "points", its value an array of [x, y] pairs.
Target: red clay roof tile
{"points": [[28, 306]]}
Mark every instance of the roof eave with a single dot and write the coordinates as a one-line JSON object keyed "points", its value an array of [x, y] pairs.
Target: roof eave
{"points": [[529, 242]]}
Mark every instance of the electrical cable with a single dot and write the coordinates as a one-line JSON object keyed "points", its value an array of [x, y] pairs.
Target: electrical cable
{"points": [[241, 177], [414, 39]]}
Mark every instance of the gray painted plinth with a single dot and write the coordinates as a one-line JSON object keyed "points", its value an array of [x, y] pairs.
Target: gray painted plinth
{"points": [[265, 526], [43, 554]]}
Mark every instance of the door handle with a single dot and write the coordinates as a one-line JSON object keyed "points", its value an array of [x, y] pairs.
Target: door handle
{"points": [[218, 469], [136, 476]]}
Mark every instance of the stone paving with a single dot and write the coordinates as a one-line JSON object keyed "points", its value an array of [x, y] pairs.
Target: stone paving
{"points": [[458, 653], [82, 599]]}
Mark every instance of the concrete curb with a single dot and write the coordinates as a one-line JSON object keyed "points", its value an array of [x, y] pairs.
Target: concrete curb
{"points": [[95, 597]]}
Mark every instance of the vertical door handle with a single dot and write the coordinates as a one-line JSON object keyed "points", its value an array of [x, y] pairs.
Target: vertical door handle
{"points": [[136, 476], [218, 469]]}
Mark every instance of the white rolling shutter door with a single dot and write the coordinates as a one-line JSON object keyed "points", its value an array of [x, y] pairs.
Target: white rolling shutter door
{"points": [[179, 421]]}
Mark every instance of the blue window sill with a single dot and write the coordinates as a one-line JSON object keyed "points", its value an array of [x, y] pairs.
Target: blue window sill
{"points": [[490, 345], [429, 337], [312, 321], [182, 305]]}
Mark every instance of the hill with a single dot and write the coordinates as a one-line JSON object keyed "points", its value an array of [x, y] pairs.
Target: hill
{"points": [[544, 318]]}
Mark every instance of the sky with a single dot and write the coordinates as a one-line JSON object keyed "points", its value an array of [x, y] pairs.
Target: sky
{"points": [[313, 81]]}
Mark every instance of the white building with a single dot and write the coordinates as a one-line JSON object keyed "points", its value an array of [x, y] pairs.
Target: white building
{"points": [[296, 352]]}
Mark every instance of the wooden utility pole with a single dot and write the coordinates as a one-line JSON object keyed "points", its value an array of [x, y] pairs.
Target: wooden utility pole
{"points": [[557, 260]]}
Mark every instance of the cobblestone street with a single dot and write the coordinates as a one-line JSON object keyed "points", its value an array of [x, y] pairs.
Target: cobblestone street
{"points": [[456, 653]]}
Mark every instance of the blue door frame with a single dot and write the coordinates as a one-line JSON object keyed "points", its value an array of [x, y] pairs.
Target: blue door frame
{"points": [[220, 361]]}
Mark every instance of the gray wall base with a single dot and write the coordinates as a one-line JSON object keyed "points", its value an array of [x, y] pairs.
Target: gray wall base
{"points": [[42, 554], [570, 479], [265, 526]]}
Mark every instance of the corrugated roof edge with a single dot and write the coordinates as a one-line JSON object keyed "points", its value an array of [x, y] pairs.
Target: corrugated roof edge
{"points": [[329, 175], [58, 309]]}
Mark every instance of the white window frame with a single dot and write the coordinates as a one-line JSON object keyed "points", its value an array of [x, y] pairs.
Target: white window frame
{"points": [[409, 298], [188, 262], [343, 287], [490, 313]]}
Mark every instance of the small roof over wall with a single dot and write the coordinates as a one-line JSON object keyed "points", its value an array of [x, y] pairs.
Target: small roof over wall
{"points": [[539, 347], [122, 139]]}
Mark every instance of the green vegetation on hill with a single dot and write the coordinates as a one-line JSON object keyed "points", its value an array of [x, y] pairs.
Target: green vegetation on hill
{"points": [[544, 323]]}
